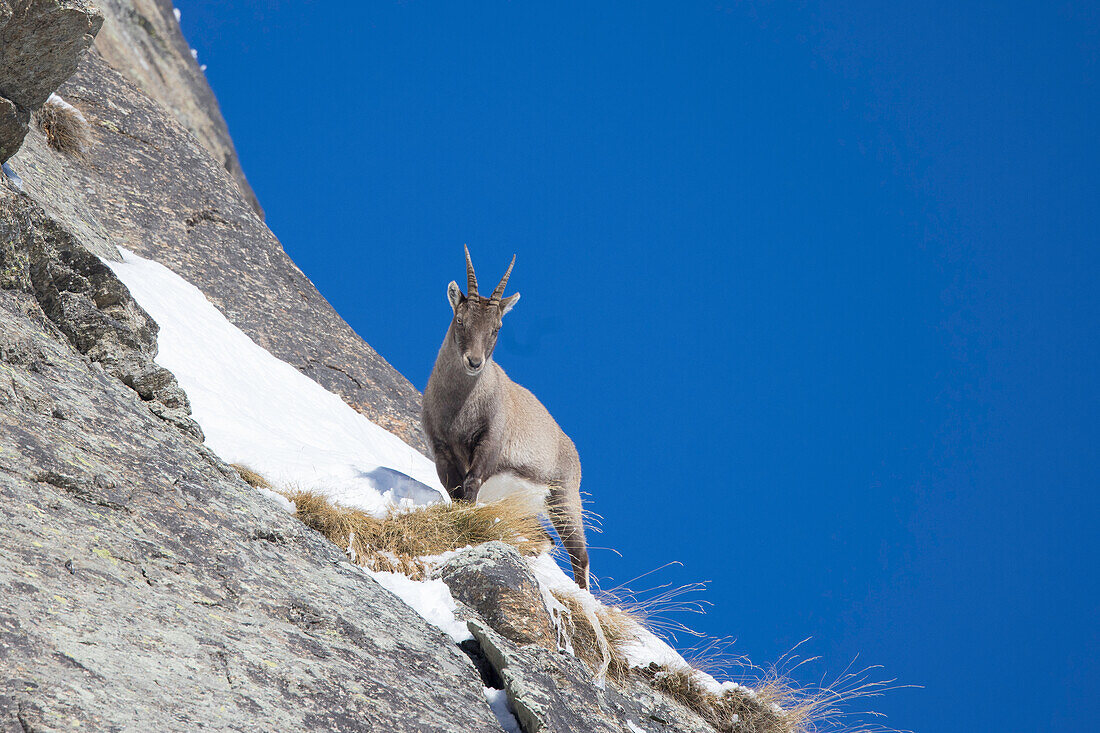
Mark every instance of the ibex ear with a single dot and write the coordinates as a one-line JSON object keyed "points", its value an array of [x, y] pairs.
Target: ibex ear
{"points": [[454, 294], [507, 303]]}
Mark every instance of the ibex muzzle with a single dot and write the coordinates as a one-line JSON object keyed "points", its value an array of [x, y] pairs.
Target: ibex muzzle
{"points": [[486, 430]]}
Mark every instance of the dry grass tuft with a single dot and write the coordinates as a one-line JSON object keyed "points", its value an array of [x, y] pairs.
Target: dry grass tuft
{"points": [[767, 701], [774, 703], [64, 126], [655, 608], [599, 637], [252, 478], [736, 710], [396, 542]]}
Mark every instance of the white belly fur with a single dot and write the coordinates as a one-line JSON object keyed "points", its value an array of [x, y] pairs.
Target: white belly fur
{"points": [[508, 484]]}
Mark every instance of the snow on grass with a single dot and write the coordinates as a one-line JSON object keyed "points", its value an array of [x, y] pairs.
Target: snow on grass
{"points": [[634, 727], [498, 702], [261, 412], [430, 598]]}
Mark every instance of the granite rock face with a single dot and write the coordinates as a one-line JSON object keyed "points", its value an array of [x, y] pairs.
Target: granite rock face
{"points": [[142, 39], [41, 42], [87, 303]]}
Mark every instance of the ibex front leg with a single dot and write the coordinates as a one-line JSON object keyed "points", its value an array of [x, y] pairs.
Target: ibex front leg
{"points": [[449, 470], [483, 463]]}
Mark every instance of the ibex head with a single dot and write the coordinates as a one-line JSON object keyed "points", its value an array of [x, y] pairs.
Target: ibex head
{"points": [[477, 319]]}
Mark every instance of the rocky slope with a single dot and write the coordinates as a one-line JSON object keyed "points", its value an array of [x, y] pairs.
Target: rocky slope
{"points": [[142, 39], [143, 585]]}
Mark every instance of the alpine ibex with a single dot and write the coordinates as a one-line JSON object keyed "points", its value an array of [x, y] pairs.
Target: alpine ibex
{"points": [[491, 437]]}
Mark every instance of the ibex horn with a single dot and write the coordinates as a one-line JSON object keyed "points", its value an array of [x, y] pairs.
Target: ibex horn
{"points": [[471, 278], [495, 300]]}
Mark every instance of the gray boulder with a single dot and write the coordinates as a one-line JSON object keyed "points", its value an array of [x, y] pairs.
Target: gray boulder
{"points": [[494, 581]]}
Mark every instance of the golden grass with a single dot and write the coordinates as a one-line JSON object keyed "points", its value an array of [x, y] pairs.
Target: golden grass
{"points": [[771, 702], [251, 477], [736, 710], [64, 127], [765, 701], [397, 541], [599, 639]]}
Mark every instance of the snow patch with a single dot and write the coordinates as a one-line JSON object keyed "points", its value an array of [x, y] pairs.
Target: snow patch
{"points": [[260, 411], [430, 598], [498, 702], [284, 503], [176, 12], [634, 727]]}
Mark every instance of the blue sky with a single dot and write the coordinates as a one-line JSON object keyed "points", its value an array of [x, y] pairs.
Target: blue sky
{"points": [[812, 287]]}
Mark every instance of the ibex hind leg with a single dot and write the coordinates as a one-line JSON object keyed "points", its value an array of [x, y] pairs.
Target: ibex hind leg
{"points": [[568, 520]]}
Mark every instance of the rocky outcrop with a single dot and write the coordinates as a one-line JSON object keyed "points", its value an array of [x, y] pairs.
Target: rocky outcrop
{"points": [[553, 692], [142, 39], [150, 187], [84, 299], [41, 42], [494, 581]]}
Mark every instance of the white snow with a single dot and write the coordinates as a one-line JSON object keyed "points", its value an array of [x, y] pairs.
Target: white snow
{"points": [[498, 702], [430, 598], [634, 727], [262, 412], [176, 12], [284, 503], [194, 54]]}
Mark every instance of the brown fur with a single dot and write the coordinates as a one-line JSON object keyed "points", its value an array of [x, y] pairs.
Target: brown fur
{"points": [[481, 425]]}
